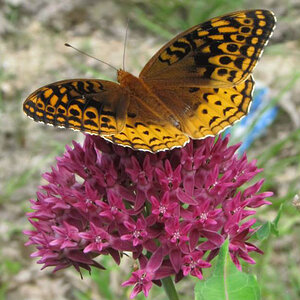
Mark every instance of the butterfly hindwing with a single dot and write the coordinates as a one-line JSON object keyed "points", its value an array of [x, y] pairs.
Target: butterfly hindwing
{"points": [[93, 106], [221, 52], [207, 111], [147, 131]]}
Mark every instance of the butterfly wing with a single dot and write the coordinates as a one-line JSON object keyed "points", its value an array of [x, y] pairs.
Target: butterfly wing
{"points": [[93, 106], [147, 131], [221, 52], [207, 111]]}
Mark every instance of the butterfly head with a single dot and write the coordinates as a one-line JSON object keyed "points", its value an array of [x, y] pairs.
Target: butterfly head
{"points": [[125, 78]]}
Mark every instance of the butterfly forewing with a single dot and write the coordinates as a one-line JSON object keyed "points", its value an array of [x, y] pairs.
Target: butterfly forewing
{"points": [[93, 106], [221, 52]]}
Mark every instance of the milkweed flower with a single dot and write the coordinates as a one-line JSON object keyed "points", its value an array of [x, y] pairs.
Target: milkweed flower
{"points": [[172, 210]]}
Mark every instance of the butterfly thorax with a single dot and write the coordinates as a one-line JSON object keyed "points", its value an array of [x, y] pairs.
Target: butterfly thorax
{"points": [[133, 85], [136, 87], [126, 79], [139, 90]]}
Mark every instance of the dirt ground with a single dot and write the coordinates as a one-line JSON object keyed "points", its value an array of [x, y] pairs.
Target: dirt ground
{"points": [[32, 37]]}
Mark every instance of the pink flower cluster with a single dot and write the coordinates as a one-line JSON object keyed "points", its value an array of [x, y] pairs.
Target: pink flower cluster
{"points": [[171, 210]]}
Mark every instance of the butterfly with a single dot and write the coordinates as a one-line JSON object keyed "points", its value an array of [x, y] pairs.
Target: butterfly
{"points": [[195, 86]]}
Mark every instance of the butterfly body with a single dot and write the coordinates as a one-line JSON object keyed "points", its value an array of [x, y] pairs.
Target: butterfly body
{"points": [[195, 86], [146, 97]]}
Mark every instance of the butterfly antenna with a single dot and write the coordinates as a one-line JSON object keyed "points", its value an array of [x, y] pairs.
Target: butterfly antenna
{"points": [[84, 53], [125, 43]]}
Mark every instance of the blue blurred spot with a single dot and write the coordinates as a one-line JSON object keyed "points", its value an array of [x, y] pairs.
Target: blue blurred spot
{"points": [[259, 121]]}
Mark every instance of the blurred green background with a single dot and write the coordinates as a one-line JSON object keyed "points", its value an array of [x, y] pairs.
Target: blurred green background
{"points": [[32, 54]]}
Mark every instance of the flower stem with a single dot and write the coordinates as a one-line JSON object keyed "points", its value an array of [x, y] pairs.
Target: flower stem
{"points": [[170, 288]]}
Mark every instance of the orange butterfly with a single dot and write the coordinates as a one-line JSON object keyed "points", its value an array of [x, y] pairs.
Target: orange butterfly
{"points": [[195, 86]]}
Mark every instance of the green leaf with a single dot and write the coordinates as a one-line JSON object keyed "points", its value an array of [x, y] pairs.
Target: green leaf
{"points": [[274, 224], [227, 282], [264, 231], [269, 228]]}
